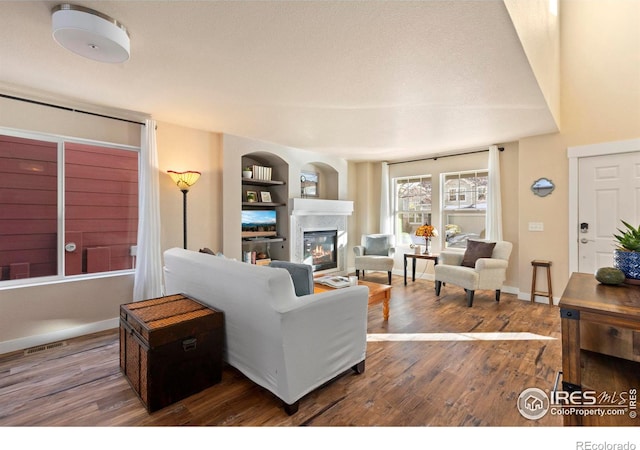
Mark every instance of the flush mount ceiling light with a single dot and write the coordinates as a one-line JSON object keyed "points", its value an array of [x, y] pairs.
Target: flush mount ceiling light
{"points": [[90, 33]]}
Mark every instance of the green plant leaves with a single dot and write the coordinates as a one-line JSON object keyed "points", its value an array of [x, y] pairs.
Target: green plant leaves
{"points": [[628, 239]]}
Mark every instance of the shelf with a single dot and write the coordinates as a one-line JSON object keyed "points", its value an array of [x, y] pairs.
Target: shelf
{"points": [[256, 182], [263, 239], [262, 204]]}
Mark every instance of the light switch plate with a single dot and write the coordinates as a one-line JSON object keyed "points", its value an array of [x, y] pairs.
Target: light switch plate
{"points": [[536, 226]]}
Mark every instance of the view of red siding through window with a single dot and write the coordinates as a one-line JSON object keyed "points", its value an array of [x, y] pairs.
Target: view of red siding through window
{"points": [[28, 208], [101, 208]]}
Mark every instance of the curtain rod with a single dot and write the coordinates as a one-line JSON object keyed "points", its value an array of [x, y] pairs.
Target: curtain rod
{"points": [[442, 156], [51, 105]]}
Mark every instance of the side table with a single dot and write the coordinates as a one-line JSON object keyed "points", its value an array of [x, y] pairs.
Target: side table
{"points": [[414, 256]]}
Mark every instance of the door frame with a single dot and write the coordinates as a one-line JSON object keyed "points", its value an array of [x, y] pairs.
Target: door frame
{"points": [[574, 154]]}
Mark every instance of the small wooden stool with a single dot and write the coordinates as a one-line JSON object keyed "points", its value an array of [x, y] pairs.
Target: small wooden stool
{"points": [[539, 263]]}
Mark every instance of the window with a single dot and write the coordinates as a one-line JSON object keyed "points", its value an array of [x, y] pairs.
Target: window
{"points": [[66, 207], [464, 206], [412, 208]]}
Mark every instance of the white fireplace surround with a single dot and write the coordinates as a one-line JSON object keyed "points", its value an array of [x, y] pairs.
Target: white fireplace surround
{"points": [[310, 214]]}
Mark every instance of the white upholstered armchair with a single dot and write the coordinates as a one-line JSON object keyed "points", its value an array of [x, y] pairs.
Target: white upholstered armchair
{"points": [[482, 266], [375, 252]]}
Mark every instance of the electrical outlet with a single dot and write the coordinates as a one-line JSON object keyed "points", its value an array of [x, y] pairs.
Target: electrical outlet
{"points": [[536, 226]]}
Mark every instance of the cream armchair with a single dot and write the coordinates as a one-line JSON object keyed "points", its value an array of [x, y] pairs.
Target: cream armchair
{"points": [[481, 266], [375, 252]]}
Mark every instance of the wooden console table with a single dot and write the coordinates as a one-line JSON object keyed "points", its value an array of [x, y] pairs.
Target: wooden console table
{"points": [[600, 344], [414, 256]]}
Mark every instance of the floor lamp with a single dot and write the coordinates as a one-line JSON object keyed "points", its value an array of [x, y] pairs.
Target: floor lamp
{"points": [[184, 180]]}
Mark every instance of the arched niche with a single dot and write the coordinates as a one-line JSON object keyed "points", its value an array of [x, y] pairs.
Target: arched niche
{"points": [[280, 168], [319, 180]]}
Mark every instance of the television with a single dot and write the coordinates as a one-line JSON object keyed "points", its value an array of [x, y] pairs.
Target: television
{"points": [[258, 222]]}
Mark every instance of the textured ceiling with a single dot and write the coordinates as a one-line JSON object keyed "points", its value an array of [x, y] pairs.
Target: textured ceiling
{"points": [[374, 80]]}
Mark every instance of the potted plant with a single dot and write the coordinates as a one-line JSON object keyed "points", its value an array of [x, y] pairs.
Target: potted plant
{"points": [[626, 256], [247, 172]]}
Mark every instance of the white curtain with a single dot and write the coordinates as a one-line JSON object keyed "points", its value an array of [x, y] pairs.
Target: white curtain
{"points": [[494, 204], [148, 275], [385, 219]]}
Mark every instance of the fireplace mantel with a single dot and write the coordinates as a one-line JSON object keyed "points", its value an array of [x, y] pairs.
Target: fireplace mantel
{"points": [[316, 206]]}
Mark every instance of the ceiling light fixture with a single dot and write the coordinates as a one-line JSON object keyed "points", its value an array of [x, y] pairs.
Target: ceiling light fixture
{"points": [[90, 33]]}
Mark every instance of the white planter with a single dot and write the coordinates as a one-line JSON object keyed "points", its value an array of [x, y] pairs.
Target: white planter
{"points": [[247, 174]]}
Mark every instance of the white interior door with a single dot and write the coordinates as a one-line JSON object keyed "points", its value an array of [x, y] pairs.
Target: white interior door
{"points": [[609, 191]]}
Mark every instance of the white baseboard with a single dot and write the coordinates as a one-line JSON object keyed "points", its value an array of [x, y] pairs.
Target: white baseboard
{"points": [[56, 336], [538, 299]]}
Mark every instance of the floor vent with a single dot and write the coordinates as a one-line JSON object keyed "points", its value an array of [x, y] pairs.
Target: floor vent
{"points": [[41, 348]]}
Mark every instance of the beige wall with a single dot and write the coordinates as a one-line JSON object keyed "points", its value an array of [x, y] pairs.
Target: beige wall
{"points": [[182, 149], [600, 87], [600, 70], [538, 28]]}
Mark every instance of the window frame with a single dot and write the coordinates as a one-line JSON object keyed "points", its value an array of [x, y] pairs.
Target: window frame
{"points": [[450, 195], [60, 173], [426, 215]]}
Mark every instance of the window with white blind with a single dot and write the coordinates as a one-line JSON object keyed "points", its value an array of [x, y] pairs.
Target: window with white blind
{"points": [[464, 206], [412, 205]]}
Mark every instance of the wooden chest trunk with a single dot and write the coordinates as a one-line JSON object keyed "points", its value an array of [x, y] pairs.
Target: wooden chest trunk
{"points": [[170, 348]]}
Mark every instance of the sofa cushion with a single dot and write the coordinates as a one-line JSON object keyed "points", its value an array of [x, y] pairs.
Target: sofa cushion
{"points": [[301, 275], [377, 245], [475, 250]]}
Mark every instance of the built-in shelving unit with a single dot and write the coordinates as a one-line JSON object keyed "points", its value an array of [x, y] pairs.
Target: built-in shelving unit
{"points": [[271, 245]]}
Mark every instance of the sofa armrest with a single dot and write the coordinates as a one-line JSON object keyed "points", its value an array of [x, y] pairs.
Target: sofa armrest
{"points": [[491, 263], [358, 250], [322, 336]]}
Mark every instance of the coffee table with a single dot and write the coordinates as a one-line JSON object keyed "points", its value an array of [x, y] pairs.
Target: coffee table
{"points": [[378, 293]]}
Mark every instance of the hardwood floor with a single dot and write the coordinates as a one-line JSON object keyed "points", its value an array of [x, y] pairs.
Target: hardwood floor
{"points": [[406, 382]]}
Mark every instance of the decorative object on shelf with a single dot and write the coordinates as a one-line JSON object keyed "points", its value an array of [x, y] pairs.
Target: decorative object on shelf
{"points": [[261, 172], [90, 33], [542, 187], [184, 180], [247, 172], [423, 236], [308, 184], [265, 196], [627, 256], [610, 275], [252, 196]]}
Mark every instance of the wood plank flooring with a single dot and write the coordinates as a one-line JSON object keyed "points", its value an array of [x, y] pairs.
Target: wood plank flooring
{"points": [[406, 383]]}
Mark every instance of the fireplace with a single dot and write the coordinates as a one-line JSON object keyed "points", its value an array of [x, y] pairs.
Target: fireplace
{"points": [[320, 249]]}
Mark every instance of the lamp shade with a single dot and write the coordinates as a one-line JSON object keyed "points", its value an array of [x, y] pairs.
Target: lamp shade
{"points": [[90, 33], [184, 180]]}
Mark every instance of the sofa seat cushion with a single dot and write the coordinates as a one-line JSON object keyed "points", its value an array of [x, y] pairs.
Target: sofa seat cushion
{"points": [[374, 262], [465, 277]]}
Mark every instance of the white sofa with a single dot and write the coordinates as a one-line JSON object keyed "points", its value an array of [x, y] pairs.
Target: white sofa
{"points": [[287, 344]]}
